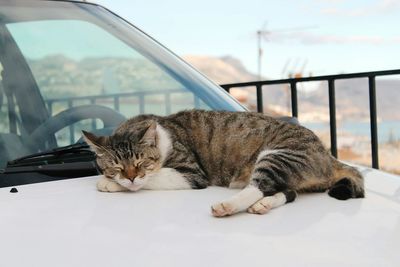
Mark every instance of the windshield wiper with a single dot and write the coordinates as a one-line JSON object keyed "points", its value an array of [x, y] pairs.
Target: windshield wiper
{"points": [[68, 158], [56, 155]]}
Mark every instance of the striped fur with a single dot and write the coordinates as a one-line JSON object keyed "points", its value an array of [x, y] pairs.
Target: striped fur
{"points": [[270, 159]]}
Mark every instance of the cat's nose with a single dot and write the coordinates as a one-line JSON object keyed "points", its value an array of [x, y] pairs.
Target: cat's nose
{"points": [[129, 173]]}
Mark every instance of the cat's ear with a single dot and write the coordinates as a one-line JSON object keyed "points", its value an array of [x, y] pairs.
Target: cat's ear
{"points": [[97, 143], [150, 136]]}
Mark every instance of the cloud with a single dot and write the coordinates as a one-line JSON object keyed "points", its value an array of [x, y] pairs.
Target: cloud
{"points": [[377, 8], [313, 39]]}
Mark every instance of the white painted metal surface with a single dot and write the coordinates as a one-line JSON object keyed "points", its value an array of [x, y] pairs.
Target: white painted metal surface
{"points": [[69, 223]]}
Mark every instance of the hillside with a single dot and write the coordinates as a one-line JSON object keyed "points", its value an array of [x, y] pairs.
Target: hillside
{"points": [[351, 95], [221, 69], [58, 75], [352, 98]]}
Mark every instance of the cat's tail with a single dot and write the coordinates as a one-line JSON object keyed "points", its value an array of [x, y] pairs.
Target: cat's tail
{"points": [[347, 182]]}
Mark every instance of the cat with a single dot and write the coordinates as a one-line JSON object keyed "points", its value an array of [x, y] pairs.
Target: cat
{"points": [[270, 160]]}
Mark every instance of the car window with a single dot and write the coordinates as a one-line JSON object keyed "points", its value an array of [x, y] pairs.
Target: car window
{"points": [[78, 63], [73, 66]]}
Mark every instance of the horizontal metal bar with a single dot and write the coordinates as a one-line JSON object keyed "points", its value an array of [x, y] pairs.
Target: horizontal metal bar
{"points": [[314, 78], [121, 95]]}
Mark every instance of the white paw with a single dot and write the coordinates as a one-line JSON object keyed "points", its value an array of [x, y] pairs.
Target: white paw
{"points": [[108, 185], [267, 203], [223, 209], [262, 206]]}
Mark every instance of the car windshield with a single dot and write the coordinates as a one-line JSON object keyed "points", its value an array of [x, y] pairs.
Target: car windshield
{"points": [[67, 67]]}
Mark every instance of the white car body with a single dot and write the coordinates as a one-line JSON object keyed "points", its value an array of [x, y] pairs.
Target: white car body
{"points": [[70, 223]]}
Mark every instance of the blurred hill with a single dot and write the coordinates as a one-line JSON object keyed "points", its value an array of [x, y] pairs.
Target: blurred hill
{"points": [[351, 95], [221, 70], [352, 98], [61, 76]]}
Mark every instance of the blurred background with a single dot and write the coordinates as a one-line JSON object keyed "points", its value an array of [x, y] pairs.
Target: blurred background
{"points": [[236, 41]]}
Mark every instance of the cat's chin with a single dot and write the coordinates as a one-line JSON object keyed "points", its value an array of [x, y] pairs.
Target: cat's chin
{"points": [[130, 186], [135, 187]]}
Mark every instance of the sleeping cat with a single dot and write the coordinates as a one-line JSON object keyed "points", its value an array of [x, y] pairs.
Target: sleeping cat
{"points": [[269, 159]]}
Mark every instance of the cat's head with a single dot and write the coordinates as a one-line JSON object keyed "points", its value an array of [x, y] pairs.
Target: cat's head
{"points": [[128, 157]]}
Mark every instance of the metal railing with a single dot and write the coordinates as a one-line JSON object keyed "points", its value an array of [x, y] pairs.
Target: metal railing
{"points": [[330, 79], [115, 100]]}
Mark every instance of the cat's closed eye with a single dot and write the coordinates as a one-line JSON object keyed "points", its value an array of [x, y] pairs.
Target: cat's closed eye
{"points": [[109, 173], [118, 167], [149, 166]]}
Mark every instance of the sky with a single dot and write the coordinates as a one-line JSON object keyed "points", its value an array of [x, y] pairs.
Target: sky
{"points": [[314, 37]]}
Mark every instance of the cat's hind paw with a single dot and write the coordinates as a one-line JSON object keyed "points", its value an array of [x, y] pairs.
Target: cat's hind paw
{"points": [[108, 185], [222, 209]]}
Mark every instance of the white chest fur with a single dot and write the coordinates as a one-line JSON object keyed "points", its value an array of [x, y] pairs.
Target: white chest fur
{"points": [[164, 142], [166, 179]]}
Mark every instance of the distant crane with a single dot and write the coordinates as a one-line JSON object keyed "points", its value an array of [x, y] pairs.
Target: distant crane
{"points": [[292, 73], [264, 33]]}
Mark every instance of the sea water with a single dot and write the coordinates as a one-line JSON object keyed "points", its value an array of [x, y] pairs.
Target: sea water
{"points": [[387, 130]]}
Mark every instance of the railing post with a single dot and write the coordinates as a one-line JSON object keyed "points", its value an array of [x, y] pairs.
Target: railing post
{"points": [[260, 104], [141, 104], [167, 103], [332, 116], [50, 107], [293, 94], [116, 103], [373, 122], [71, 127], [93, 101], [196, 101], [226, 88]]}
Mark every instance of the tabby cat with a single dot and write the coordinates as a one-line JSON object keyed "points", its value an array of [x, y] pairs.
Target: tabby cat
{"points": [[269, 159]]}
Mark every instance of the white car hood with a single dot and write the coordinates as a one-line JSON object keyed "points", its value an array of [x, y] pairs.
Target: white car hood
{"points": [[69, 223]]}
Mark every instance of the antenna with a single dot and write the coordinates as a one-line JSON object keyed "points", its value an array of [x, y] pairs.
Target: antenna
{"points": [[264, 33]]}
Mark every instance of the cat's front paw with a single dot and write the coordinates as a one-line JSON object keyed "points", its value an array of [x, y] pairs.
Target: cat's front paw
{"points": [[108, 185], [260, 207], [223, 209]]}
